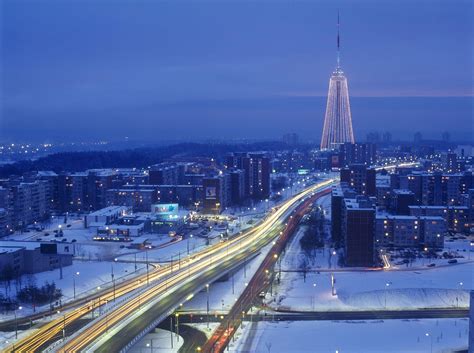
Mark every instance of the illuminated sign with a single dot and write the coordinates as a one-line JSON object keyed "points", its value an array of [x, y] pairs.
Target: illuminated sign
{"points": [[303, 171], [211, 193], [165, 208]]}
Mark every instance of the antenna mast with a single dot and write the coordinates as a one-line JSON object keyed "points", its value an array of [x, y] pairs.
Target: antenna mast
{"points": [[338, 42]]}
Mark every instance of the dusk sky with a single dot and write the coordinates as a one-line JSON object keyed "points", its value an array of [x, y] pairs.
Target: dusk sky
{"points": [[161, 70]]}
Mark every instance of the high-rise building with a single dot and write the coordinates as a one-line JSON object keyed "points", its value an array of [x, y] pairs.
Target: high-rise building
{"points": [[257, 169], [360, 178], [358, 231], [164, 174], [350, 153], [216, 193], [337, 127]]}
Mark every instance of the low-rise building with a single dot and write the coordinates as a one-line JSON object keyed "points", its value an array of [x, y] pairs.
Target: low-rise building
{"points": [[107, 215], [17, 257], [410, 231]]}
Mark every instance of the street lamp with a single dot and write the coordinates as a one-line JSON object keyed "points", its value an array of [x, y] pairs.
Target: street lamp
{"points": [[431, 341], [177, 327], [74, 283], [16, 322], [113, 276], [64, 324], [386, 287], [207, 306], [189, 238]]}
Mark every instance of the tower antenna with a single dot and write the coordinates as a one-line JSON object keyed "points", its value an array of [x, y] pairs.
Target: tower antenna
{"points": [[338, 42]]}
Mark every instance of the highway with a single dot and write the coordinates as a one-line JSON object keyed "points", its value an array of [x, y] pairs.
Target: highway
{"points": [[259, 283], [192, 275], [205, 265]]}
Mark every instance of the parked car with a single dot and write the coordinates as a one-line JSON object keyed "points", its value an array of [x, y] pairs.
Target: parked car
{"points": [[431, 265], [453, 261]]}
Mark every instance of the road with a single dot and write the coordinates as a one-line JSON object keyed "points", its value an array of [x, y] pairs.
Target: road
{"points": [[259, 283], [190, 276], [156, 278], [335, 315]]}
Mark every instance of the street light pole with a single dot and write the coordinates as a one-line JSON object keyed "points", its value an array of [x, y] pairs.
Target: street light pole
{"points": [[113, 277], [177, 327], [431, 341], [386, 287], [74, 283], [147, 270], [207, 304], [16, 322], [171, 330]]}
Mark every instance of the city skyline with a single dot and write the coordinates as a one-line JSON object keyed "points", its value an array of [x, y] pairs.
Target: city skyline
{"points": [[211, 72]]}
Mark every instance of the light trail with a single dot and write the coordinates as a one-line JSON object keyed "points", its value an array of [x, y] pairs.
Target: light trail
{"points": [[195, 264], [222, 252]]}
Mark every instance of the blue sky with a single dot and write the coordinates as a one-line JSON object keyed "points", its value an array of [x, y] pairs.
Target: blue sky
{"points": [[149, 69]]}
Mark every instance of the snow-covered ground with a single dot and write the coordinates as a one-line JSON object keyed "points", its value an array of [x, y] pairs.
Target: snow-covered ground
{"points": [[158, 341], [366, 290], [85, 277], [388, 336], [323, 258], [460, 249]]}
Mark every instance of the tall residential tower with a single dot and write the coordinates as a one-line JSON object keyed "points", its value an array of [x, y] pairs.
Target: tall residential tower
{"points": [[337, 121]]}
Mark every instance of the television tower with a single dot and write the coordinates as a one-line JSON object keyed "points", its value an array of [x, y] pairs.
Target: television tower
{"points": [[337, 127]]}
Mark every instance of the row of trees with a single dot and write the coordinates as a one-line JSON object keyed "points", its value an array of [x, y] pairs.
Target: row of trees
{"points": [[138, 157], [312, 239], [16, 291], [33, 294]]}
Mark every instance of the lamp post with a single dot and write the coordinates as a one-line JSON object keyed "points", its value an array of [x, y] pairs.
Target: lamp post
{"points": [[147, 270], [207, 304], [113, 277], [431, 341], [16, 322], [177, 327], [74, 283], [64, 324], [386, 287], [189, 239]]}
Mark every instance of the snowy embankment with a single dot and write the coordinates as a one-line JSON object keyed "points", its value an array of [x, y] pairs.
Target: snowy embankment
{"points": [[388, 336], [444, 287]]}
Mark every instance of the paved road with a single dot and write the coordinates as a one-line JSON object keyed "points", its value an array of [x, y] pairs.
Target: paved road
{"points": [[182, 283], [336, 315], [259, 282]]}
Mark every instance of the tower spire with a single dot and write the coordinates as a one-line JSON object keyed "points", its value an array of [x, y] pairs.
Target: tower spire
{"points": [[338, 42]]}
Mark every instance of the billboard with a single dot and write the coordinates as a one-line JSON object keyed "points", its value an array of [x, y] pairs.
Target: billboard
{"points": [[303, 171], [211, 193], [165, 208], [57, 248]]}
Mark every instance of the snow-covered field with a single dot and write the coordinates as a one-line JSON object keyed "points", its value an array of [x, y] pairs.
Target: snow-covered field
{"points": [[86, 277], [362, 290], [388, 336]]}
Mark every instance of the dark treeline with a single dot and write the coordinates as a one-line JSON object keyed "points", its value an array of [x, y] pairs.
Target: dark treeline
{"points": [[133, 158]]}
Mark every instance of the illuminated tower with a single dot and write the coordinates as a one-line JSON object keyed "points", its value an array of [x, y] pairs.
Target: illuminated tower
{"points": [[337, 121]]}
